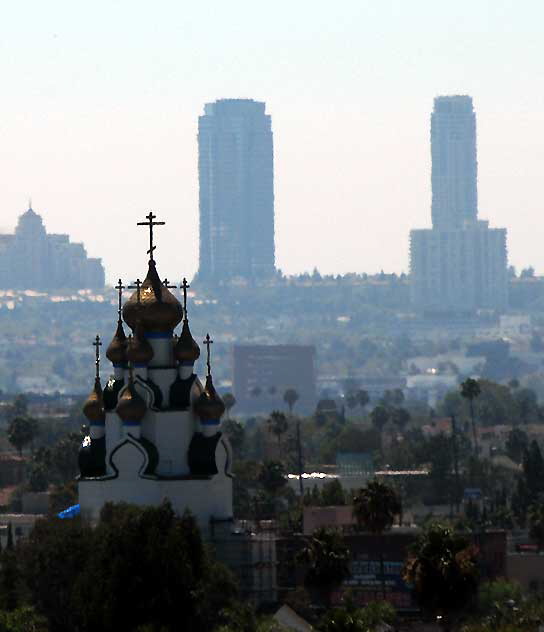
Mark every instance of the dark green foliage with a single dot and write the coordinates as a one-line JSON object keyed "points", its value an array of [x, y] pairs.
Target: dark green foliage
{"points": [[379, 417], [332, 494], [24, 619], [273, 476], [375, 507], [21, 432], [442, 567], [350, 618], [137, 567], [326, 558], [536, 524], [516, 444]]}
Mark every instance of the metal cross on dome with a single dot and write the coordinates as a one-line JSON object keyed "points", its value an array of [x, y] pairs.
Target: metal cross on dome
{"points": [[208, 342], [136, 286], [168, 287], [184, 287], [97, 344], [120, 287], [150, 217]]}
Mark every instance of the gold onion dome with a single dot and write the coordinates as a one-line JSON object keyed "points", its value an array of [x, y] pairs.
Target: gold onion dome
{"points": [[209, 405], [93, 408], [139, 350], [131, 406], [153, 305], [117, 349], [186, 348]]}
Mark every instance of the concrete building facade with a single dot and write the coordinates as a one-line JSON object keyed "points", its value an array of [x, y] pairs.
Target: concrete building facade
{"points": [[460, 265], [236, 185], [32, 259]]}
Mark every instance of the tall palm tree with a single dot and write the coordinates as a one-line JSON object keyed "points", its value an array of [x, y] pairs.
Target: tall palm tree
{"points": [[470, 389], [374, 508], [277, 424], [291, 397], [379, 417], [443, 569], [326, 557]]}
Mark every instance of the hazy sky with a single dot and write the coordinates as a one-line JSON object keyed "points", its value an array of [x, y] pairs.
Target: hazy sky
{"points": [[100, 100]]}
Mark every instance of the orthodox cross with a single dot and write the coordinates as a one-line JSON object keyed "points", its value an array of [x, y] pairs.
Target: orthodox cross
{"points": [[184, 286], [130, 365], [97, 344], [151, 223], [168, 287], [136, 287], [120, 287], [208, 342]]}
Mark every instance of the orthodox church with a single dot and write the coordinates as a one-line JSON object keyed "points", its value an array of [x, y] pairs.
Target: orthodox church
{"points": [[155, 429]]}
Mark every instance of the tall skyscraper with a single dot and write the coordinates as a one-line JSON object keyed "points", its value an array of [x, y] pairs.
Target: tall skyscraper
{"points": [[236, 180], [460, 265], [454, 164]]}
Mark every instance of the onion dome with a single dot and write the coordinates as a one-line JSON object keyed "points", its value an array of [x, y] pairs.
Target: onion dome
{"points": [[153, 304], [209, 405], [186, 348], [117, 349], [131, 406], [139, 350], [93, 408]]}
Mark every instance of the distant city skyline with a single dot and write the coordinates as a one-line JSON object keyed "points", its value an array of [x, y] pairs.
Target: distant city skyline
{"points": [[99, 128]]}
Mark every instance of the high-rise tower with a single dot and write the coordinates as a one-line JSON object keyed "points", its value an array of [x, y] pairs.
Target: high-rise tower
{"points": [[454, 165], [236, 179], [460, 265]]}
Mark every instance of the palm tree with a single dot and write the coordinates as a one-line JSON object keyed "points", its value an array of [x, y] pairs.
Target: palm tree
{"points": [[291, 397], [374, 509], [401, 418], [327, 559], [470, 389], [277, 424], [443, 569], [379, 417]]}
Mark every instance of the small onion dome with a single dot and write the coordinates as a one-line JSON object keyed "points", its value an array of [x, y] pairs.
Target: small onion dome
{"points": [[117, 349], [131, 406], [158, 309], [93, 408], [186, 348], [139, 350], [209, 405]]}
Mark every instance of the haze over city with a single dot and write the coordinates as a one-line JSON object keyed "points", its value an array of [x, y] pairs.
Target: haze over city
{"points": [[99, 123]]}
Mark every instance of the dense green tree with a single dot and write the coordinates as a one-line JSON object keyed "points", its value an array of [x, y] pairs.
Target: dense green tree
{"points": [[333, 494], [21, 432], [401, 418], [374, 508], [536, 523], [517, 443], [350, 618], [326, 558], [470, 390], [24, 619], [442, 567], [273, 476], [138, 567]]}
